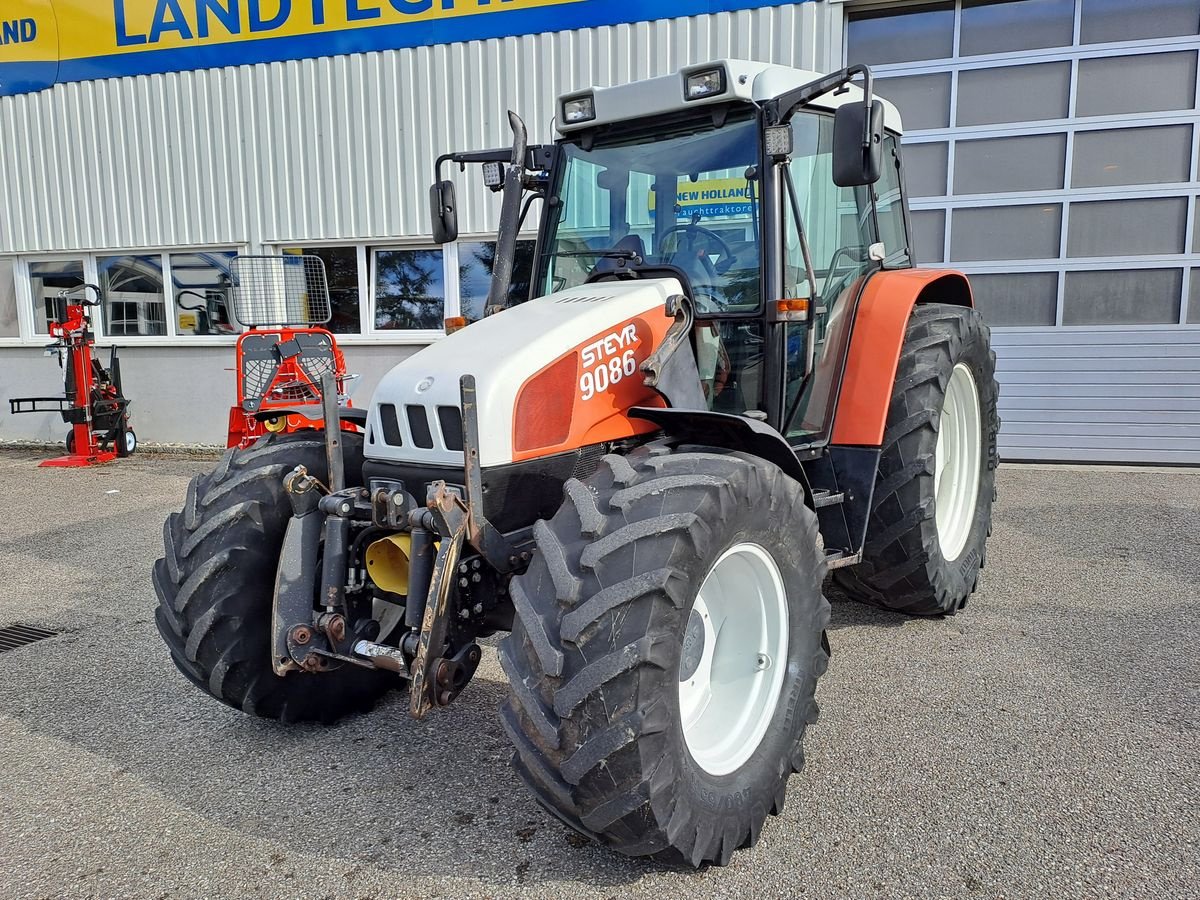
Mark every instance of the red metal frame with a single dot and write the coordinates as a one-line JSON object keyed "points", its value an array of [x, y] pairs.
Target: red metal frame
{"points": [[292, 394]]}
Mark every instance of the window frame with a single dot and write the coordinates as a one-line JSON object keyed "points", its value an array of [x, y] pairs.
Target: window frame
{"points": [[1073, 54]]}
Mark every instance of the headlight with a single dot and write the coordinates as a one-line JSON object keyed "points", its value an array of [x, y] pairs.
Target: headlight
{"points": [[579, 109], [705, 83]]}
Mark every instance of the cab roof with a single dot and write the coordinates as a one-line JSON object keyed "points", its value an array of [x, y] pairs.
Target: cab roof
{"points": [[752, 82]]}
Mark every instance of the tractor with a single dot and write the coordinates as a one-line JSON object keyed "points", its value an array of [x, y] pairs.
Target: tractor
{"points": [[729, 383]]}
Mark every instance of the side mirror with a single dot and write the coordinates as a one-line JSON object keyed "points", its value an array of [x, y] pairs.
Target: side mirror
{"points": [[853, 163], [443, 211]]}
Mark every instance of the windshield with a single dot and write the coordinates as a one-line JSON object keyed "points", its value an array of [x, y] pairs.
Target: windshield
{"points": [[685, 197]]}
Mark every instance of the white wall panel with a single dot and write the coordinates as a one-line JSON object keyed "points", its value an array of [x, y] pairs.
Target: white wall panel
{"points": [[1099, 394], [336, 147]]}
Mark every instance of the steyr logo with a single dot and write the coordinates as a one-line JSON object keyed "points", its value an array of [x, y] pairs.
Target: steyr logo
{"points": [[18, 31]]}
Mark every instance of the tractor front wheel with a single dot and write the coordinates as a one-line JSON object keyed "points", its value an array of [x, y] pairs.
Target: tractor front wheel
{"points": [[216, 584], [932, 510], [665, 655]]}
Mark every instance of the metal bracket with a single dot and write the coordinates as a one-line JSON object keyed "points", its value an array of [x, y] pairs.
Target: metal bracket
{"points": [[453, 520], [671, 369], [481, 533]]}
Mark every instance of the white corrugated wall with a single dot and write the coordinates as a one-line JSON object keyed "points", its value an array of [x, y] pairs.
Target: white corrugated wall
{"points": [[337, 147]]}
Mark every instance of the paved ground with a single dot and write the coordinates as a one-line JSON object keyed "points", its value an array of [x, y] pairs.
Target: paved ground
{"points": [[1045, 742]]}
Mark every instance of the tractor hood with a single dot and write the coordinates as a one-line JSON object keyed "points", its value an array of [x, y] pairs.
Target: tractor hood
{"points": [[551, 375]]}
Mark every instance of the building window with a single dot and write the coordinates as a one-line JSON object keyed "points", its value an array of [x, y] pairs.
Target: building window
{"points": [[475, 261], [8, 299], [341, 272], [132, 287], [410, 290], [46, 280], [200, 285]]}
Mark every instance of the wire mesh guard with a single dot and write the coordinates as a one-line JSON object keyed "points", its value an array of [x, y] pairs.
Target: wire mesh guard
{"points": [[280, 290]]}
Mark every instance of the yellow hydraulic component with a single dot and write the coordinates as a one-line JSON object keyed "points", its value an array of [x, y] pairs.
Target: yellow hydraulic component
{"points": [[387, 562], [275, 423]]}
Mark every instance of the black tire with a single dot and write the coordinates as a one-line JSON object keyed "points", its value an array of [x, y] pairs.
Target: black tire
{"points": [[903, 566], [70, 441], [593, 659], [126, 442], [216, 581]]}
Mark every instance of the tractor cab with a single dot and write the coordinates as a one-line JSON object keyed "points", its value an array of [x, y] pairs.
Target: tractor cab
{"points": [[768, 193]]}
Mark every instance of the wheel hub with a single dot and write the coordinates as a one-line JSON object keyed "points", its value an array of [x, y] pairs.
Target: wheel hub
{"points": [[732, 665], [957, 462]]}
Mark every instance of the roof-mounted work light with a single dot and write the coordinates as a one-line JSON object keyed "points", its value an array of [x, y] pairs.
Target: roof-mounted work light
{"points": [[579, 109], [705, 83]]}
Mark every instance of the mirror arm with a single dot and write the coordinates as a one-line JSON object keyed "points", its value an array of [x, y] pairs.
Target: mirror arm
{"points": [[779, 110]]}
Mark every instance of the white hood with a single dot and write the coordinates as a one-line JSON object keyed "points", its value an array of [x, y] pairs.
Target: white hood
{"points": [[502, 352]]}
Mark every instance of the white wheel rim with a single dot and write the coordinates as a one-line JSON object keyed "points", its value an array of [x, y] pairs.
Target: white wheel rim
{"points": [[957, 463], [130, 442], [729, 685]]}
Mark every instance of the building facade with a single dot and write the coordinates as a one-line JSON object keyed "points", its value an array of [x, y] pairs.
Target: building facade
{"points": [[1051, 145]]}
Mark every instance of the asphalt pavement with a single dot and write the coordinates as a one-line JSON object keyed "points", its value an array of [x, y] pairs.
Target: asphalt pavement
{"points": [[1044, 742]]}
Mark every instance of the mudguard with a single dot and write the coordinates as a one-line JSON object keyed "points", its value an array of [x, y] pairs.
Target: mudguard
{"points": [[879, 325], [697, 426]]}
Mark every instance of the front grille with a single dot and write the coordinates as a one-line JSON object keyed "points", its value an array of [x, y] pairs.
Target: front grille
{"points": [[450, 419], [390, 425], [418, 426]]}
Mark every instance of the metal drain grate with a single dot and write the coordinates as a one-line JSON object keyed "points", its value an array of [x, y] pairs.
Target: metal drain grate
{"points": [[14, 636]]}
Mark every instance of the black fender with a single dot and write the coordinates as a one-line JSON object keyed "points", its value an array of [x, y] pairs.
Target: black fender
{"points": [[701, 426]]}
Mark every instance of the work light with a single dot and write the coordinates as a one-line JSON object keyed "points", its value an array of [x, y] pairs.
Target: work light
{"points": [[706, 83], [579, 109], [493, 175]]}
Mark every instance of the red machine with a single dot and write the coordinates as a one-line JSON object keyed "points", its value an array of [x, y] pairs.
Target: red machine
{"points": [[93, 403], [283, 358]]}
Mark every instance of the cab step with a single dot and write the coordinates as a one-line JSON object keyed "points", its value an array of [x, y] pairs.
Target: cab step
{"points": [[827, 498]]}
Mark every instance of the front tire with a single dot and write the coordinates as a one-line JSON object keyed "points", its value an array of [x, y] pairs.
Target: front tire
{"points": [[216, 583], [611, 626], [932, 510]]}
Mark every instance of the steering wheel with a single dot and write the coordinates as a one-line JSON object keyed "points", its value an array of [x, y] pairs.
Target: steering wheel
{"points": [[725, 258]]}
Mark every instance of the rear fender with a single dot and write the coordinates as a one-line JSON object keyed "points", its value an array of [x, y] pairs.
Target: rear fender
{"points": [[713, 429], [875, 343]]}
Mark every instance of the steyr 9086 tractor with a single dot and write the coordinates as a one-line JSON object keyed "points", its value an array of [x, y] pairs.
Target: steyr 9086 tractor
{"points": [[730, 381]]}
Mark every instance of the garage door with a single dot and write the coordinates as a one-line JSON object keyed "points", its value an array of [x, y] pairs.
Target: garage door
{"points": [[1051, 151]]}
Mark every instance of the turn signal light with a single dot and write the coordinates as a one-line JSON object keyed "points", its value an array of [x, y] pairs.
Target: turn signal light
{"points": [[455, 323], [794, 309]]}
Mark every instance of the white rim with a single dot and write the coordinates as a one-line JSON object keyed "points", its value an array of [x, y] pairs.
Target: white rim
{"points": [[735, 654], [957, 463], [130, 441]]}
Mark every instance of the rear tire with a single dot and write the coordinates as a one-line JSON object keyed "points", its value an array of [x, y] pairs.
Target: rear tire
{"points": [[607, 623], [932, 511], [216, 584]]}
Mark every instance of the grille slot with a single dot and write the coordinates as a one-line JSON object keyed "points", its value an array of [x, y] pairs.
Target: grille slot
{"points": [[390, 425], [418, 426], [14, 636], [450, 419]]}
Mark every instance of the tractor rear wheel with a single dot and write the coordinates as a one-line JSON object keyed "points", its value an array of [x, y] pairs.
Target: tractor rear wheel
{"points": [[216, 585], [932, 511], [664, 659]]}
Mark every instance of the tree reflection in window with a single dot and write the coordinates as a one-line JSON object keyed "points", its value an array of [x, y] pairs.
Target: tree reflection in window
{"points": [[410, 289], [475, 262]]}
